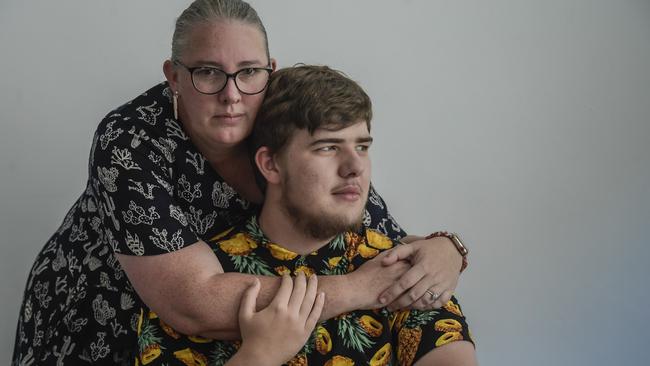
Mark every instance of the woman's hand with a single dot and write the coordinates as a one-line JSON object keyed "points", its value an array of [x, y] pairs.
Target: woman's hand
{"points": [[276, 333], [435, 267]]}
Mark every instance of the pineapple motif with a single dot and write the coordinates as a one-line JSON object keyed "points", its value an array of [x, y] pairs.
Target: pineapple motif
{"points": [[191, 357], [410, 334], [199, 339], [148, 340], [255, 232], [382, 357], [282, 270], [239, 244], [333, 262], [307, 271], [453, 308], [339, 361], [397, 319], [222, 352], [366, 251], [338, 243], [323, 340], [371, 325], [448, 337], [221, 234], [251, 264], [298, 360], [352, 240], [336, 266], [378, 240], [353, 334], [169, 330], [281, 253], [448, 325]]}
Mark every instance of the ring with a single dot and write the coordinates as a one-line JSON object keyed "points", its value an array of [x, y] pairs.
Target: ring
{"points": [[434, 295]]}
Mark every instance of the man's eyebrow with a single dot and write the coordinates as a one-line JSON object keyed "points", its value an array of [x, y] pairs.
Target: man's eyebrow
{"points": [[339, 140], [326, 141]]}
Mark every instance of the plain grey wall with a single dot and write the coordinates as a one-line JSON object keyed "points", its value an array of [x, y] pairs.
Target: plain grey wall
{"points": [[524, 125]]}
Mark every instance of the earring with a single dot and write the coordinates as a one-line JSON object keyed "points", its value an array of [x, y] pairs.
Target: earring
{"points": [[175, 104]]}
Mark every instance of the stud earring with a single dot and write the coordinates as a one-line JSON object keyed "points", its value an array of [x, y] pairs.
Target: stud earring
{"points": [[175, 104]]}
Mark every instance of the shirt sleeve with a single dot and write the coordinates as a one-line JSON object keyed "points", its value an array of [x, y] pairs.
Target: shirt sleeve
{"points": [[130, 175], [418, 332], [379, 218]]}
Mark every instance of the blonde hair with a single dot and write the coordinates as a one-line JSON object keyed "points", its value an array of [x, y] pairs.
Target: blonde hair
{"points": [[206, 11]]}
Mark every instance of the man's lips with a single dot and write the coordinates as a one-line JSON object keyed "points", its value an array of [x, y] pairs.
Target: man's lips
{"points": [[350, 192]]}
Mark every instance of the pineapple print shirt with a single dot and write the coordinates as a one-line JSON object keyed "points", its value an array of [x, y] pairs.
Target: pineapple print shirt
{"points": [[149, 191], [366, 337]]}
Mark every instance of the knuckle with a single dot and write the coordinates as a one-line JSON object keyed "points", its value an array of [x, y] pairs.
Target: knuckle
{"points": [[400, 286], [413, 296]]}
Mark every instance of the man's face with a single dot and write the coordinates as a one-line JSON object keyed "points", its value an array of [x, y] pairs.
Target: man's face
{"points": [[325, 179]]}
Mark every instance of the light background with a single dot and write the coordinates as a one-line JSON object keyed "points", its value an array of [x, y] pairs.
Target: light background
{"points": [[524, 125]]}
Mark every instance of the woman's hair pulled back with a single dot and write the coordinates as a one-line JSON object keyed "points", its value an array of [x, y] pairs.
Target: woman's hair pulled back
{"points": [[207, 11]]}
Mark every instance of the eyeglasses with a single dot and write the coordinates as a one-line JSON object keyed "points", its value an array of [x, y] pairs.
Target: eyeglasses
{"points": [[210, 80]]}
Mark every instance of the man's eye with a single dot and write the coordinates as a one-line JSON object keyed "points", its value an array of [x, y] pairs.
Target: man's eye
{"points": [[363, 147], [327, 148]]}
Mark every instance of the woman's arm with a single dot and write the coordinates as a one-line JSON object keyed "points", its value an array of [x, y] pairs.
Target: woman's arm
{"points": [[436, 266], [189, 290], [435, 263]]}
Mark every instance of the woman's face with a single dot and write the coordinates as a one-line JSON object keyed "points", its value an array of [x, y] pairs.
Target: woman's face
{"points": [[224, 119]]}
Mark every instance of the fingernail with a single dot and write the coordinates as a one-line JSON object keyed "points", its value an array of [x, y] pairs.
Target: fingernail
{"points": [[382, 300]]}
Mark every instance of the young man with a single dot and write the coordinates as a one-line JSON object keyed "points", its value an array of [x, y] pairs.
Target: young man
{"points": [[311, 147]]}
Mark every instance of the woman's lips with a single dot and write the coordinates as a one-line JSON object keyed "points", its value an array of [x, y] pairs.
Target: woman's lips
{"points": [[230, 118]]}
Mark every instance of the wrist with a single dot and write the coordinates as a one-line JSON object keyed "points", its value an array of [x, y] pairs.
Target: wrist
{"points": [[350, 297], [457, 243], [251, 356]]}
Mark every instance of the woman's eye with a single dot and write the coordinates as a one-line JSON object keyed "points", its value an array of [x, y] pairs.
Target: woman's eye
{"points": [[206, 72]]}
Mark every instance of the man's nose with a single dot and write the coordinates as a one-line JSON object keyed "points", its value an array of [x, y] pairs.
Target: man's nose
{"points": [[352, 165]]}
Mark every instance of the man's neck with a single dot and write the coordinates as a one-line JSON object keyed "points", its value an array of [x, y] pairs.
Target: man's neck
{"points": [[280, 229]]}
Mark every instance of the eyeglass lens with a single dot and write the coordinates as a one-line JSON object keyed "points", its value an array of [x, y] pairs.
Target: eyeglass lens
{"points": [[210, 80]]}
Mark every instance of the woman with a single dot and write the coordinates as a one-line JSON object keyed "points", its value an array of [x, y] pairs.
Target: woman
{"points": [[168, 171]]}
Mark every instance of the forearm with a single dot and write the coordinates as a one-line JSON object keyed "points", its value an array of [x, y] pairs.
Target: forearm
{"points": [[213, 312]]}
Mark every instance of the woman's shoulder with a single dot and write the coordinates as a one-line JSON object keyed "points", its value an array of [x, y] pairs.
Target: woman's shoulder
{"points": [[147, 119], [146, 111]]}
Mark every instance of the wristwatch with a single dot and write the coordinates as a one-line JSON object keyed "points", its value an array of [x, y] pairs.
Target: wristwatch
{"points": [[455, 239]]}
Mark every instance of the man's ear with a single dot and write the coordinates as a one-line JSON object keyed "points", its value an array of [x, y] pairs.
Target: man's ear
{"points": [[267, 165], [171, 74], [274, 64]]}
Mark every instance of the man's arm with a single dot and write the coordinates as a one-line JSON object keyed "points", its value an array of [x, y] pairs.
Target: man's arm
{"points": [[459, 353], [189, 290]]}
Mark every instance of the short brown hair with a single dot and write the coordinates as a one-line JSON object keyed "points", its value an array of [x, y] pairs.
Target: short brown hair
{"points": [[307, 97]]}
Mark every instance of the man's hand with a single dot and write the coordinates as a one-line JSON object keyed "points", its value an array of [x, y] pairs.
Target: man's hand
{"points": [[276, 333], [435, 267], [373, 278]]}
